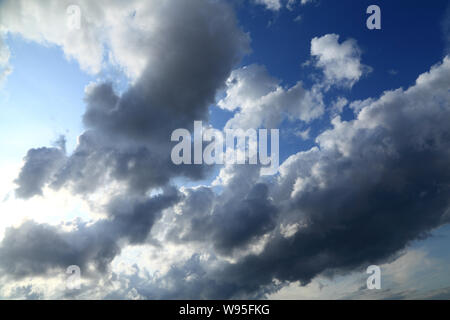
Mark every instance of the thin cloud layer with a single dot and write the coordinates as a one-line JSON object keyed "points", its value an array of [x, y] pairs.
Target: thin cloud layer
{"points": [[127, 136]]}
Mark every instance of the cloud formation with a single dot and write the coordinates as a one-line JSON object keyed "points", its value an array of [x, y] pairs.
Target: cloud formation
{"points": [[128, 34], [39, 249], [358, 200], [340, 62], [367, 189], [270, 4], [362, 196], [262, 102], [40, 165], [276, 5], [127, 136]]}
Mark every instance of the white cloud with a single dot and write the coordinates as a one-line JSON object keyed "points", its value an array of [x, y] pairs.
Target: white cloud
{"points": [[270, 4], [340, 62], [124, 33], [338, 105], [304, 135], [261, 100], [304, 171], [276, 5]]}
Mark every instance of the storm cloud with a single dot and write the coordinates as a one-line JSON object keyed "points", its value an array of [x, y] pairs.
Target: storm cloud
{"points": [[38, 249], [367, 189], [375, 184], [128, 136]]}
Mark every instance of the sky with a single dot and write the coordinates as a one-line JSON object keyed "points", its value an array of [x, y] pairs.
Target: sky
{"points": [[86, 117]]}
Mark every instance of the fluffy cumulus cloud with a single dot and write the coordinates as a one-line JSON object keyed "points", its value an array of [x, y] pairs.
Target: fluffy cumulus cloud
{"points": [[357, 200], [340, 62], [40, 164], [125, 139], [364, 183], [358, 197], [262, 101]]}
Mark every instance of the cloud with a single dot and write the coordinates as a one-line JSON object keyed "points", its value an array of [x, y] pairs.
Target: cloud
{"points": [[128, 136], [127, 34], [231, 221], [338, 105], [34, 249], [412, 269], [40, 165], [274, 5], [261, 100], [370, 186], [362, 197], [340, 62], [46, 22], [5, 68], [358, 199], [304, 135]]}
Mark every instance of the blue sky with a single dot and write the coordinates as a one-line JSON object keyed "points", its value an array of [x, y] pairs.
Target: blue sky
{"points": [[58, 77], [45, 108]]}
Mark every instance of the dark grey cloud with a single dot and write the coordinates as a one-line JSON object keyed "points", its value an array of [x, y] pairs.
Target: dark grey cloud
{"points": [[128, 136], [371, 186], [193, 279], [38, 249], [227, 224], [376, 184], [40, 166], [127, 140], [230, 220]]}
